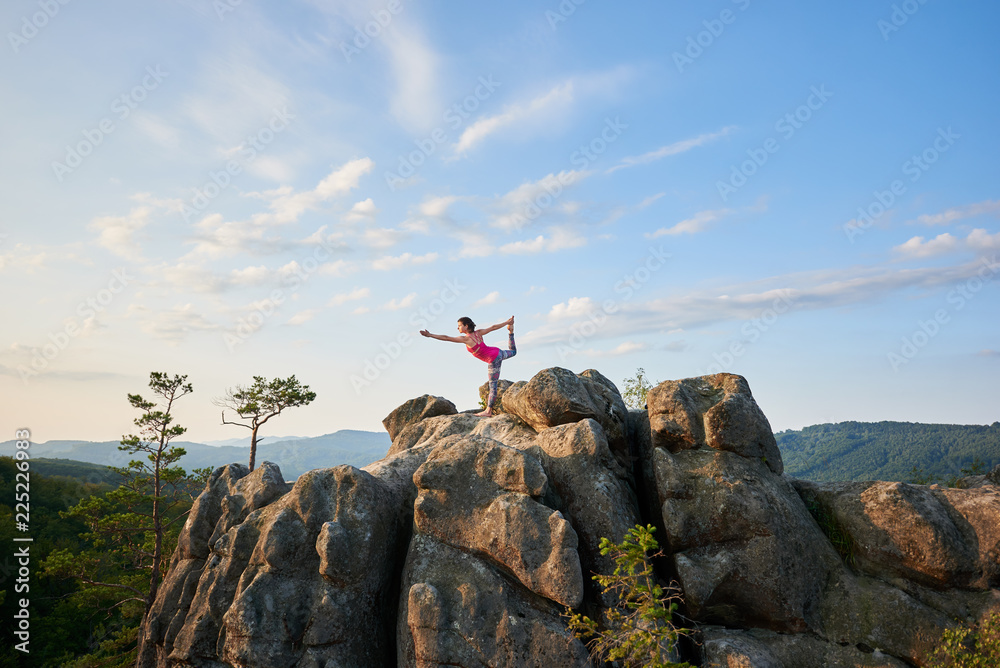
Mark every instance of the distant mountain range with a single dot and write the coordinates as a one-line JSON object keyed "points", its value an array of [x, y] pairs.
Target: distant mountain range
{"points": [[887, 450], [293, 456]]}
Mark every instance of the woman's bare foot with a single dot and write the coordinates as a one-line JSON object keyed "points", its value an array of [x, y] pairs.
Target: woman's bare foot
{"points": [[510, 324], [484, 414]]}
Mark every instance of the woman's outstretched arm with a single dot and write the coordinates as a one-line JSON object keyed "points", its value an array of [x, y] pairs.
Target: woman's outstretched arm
{"points": [[493, 328], [444, 337]]}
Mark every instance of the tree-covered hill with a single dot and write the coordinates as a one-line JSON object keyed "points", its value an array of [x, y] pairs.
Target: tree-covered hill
{"points": [[887, 450]]}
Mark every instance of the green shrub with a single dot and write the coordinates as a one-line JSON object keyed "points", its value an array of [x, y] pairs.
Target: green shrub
{"points": [[640, 631], [977, 646]]}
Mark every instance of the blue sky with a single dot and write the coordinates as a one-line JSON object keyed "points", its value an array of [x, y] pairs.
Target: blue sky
{"points": [[801, 193]]}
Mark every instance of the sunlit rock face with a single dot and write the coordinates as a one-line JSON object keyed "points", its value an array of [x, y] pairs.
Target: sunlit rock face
{"points": [[465, 545]]}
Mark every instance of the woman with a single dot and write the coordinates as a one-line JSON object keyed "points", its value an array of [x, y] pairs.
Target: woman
{"points": [[473, 340]]}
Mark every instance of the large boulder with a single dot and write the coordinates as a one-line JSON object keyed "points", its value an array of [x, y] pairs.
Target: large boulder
{"points": [[231, 494], [476, 494], [940, 537], [757, 648], [431, 430], [415, 410], [716, 411], [592, 490], [738, 534], [558, 396], [458, 610]]}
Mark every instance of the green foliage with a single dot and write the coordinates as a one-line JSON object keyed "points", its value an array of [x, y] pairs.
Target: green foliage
{"points": [[977, 646], [261, 401], [59, 630], [904, 451], [129, 531], [640, 631], [636, 388]]}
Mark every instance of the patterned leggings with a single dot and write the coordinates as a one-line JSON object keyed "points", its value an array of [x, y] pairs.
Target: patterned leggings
{"points": [[494, 370]]}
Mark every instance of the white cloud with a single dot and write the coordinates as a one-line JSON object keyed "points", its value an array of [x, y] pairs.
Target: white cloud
{"points": [[918, 247], [343, 297], [949, 216], [526, 203], [302, 316], [561, 238], [978, 240], [361, 211], [816, 290], [338, 268], [217, 237], [360, 310], [981, 240], [649, 200], [437, 207], [22, 257], [692, 225], [575, 307], [558, 97], [397, 304], [671, 149], [173, 325], [389, 262], [626, 348], [381, 238], [415, 101], [491, 298], [117, 233]]}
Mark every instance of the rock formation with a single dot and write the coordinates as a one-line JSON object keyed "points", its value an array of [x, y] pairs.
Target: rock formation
{"points": [[467, 542]]}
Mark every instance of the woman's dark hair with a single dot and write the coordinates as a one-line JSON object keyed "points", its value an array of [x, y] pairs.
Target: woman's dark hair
{"points": [[469, 325]]}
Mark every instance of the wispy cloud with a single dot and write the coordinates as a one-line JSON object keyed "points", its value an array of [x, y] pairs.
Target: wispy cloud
{"points": [[118, 233], [302, 317], [398, 304], [491, 298], [476, 133], [561, 238], [816, 290], [955, 214], [218, 237], [390, 262], [344, 297], [671, 149], [692, 225], [978, 240]]}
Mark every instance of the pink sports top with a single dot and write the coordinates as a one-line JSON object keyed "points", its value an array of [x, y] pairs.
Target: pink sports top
{"points": [[481, 351]]}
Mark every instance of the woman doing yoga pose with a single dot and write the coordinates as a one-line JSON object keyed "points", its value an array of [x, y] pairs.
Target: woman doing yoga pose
{"points": [[473, 340]]}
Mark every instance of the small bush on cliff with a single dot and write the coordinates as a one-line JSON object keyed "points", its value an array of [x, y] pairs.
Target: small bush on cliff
{"points": [[977, 646], [636, 389], [640, 631]]}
